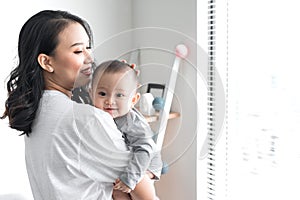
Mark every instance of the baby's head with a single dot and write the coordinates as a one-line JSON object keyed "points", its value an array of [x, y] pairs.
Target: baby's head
{"points": [[114, 87]]}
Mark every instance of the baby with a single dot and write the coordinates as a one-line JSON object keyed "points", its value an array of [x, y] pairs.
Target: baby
{"points": [[114, 90]]}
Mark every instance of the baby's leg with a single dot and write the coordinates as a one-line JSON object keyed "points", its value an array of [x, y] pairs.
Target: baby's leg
{"points": [[144, 190], [119, 195]]}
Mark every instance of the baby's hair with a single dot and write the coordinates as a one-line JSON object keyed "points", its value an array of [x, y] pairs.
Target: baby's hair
{"points": [[113, 66]]}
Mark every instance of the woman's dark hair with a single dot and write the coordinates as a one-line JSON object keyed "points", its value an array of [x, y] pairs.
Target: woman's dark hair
{"points": [[26, 83]]}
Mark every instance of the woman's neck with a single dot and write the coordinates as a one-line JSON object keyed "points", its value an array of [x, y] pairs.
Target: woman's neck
{"points": [[66, 92], [52, 84]]}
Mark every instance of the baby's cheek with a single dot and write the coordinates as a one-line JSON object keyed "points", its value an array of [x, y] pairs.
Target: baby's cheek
{"points": [[98, 104]]}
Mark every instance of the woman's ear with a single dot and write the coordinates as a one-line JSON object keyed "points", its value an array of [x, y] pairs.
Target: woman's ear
{"points": [[44, 62]]}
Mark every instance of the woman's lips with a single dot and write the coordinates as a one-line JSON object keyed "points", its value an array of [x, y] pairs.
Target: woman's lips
{"points": [[87, 71]]}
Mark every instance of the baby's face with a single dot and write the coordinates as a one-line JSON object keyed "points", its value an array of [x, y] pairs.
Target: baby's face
{"points": [[115, 93]]}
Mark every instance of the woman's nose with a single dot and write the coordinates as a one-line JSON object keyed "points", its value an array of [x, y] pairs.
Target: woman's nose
{"points": [[89, 56]]}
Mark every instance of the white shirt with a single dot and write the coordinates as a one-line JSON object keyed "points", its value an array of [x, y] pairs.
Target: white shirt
{"points": [[74, 152]]}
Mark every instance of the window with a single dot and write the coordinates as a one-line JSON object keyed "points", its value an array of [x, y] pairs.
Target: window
{"points": [[256, 57]]}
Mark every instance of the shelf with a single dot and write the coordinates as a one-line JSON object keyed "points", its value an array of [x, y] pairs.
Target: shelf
{"points": [[153, 118]]}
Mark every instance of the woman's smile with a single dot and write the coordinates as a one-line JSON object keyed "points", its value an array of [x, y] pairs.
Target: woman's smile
{"points": [[87, 71]]}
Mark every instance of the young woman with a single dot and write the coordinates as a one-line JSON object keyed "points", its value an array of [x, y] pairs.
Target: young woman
{"points": [[73, 151]]}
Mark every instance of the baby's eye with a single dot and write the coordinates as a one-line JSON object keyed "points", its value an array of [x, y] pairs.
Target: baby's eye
{"points": [[102, 94], [120, 95]]}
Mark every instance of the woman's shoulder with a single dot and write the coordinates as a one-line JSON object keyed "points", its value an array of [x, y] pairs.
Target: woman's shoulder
{"points": [[87, 112], [59, 103]]}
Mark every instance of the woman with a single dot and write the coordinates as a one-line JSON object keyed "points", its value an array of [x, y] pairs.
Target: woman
{"points": [[73, 151]]}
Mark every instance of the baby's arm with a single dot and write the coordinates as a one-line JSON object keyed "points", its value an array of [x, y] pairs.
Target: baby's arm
{"points": [[137, 166], [136, 179], [139, 137], [144, 189]]}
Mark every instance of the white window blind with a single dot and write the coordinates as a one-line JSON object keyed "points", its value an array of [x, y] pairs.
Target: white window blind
{"points": [[211, 101], [255, 155]]}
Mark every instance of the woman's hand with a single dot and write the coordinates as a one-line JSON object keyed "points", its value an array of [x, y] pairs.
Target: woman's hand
{"points": [[119, 185], [150, 174]]}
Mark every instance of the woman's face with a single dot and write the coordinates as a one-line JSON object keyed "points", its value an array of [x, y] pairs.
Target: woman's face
{"points": [[72, 61]]}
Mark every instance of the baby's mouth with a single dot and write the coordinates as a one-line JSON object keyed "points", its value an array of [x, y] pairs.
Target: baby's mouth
{"points": [[110, 110]]}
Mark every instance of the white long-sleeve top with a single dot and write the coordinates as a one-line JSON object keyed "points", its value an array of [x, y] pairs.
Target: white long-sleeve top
{"points": [[75, 151]]}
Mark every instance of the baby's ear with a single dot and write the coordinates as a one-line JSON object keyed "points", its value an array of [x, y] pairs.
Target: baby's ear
{"points": [[135, 98], [137, 72]]}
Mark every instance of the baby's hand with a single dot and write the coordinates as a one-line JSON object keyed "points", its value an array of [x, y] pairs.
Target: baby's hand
{"points": [[119, 185]]}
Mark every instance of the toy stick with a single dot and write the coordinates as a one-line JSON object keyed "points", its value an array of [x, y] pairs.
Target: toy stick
{"points": [[181, 52]]}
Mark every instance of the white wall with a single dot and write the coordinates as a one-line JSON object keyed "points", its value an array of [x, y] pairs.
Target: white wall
{"points": [[106, 18], [159, 27]]}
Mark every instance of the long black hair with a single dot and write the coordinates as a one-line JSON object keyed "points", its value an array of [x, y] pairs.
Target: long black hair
{"points": [[25, 86]]}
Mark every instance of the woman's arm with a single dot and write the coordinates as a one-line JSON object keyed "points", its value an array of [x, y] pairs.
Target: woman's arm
{"points": [[103, 154]]}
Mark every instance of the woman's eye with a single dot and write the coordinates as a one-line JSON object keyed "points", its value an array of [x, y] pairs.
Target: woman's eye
{"points": [[88, 48], [102, 94]]}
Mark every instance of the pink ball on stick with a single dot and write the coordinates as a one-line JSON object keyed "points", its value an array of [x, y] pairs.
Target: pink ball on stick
{"points": [[181, 51]]}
